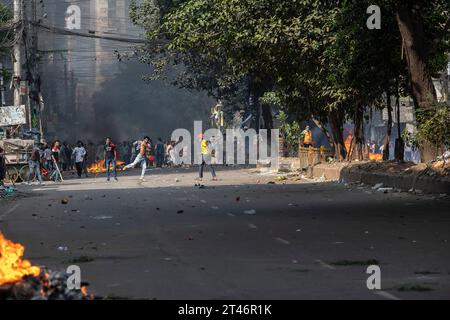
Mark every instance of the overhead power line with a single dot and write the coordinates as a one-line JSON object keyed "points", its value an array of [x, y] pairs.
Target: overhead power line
{"points": [[12, 34], [96, 36]]}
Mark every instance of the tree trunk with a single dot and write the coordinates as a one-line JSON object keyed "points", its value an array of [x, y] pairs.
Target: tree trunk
{"points": [[336, 118], [255, 108], [399, 143], [429, 152], [417, 53], [324, 131], [351, 149], [253, 103], [387, 140], [358, 144], [267, 116]]}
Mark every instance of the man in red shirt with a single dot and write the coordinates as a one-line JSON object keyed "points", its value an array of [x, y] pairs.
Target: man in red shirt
{"points": [[110, 158], [56, 174]]}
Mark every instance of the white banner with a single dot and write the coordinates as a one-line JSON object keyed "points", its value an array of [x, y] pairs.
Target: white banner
{"points": [[13, 116]]}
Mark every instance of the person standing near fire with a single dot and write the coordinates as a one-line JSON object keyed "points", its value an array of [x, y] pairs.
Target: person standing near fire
{"points": [[141, 158], [79, 154], [307, 137], [110, 157], [84, 165]]}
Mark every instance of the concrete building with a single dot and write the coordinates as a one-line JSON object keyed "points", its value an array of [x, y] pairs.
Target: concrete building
{"points": [[442, 84], [78, 75]]}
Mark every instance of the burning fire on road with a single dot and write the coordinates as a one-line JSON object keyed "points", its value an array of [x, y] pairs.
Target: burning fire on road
{"points": [[99, 167], [376, 156], [20, 280], [12, 267]]}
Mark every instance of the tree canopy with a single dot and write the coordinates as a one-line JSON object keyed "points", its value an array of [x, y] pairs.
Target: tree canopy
{"points": [[314, 59]]}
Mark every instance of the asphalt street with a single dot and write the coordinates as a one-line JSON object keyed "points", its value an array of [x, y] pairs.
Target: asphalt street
{"points": [[242, 237]]}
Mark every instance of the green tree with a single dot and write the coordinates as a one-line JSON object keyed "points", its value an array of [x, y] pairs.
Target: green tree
{"points": [[6, 28], [314, 59], [6, 36], [425, 30]]}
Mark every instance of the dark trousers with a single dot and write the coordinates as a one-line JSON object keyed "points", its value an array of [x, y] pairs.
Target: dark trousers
{"points": [[2, 169], [85, 166], [159, 159], [205, 159], [49, 165], [79, 166]]}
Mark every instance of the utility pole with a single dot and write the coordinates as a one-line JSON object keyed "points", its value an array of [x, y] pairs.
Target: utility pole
{"points": [[18, 28], [34, 63], [32, 79], [2, 87]]}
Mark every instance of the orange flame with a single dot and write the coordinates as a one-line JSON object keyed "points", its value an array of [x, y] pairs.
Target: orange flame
{"points": [[99, 166], [376, 156], [86, 294], [12, 267]]}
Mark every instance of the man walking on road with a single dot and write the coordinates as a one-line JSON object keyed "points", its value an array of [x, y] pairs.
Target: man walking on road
{"points": [[79, 153], [110, 155], [141, 158], [206, 159], [63, 157], [48, 158], [34, 164], [56, 157]]}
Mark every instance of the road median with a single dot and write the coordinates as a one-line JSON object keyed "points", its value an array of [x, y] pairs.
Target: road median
{"points": [[405, 176]]}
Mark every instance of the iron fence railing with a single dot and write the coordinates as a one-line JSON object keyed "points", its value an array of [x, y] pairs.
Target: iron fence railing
{"points": [[312, 156]]}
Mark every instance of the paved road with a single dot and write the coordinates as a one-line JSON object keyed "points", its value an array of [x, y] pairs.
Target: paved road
{"points": [[238, 238]]}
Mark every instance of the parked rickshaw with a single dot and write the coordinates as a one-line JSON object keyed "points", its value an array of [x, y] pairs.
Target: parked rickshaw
{"points": [[17, 153]]}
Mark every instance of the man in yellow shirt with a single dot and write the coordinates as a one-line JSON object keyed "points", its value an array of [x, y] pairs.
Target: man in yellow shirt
{"points": [[307, 140], [206, 158]]}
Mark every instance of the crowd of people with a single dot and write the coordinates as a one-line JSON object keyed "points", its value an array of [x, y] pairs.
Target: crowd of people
{"points": [[58, 157]]}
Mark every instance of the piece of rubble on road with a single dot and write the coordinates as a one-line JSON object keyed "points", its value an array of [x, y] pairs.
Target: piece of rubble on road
{"points": [[377, 186], [101, 217], [385, 190]]}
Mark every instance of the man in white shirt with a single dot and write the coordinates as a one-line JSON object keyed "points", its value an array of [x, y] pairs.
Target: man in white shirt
{"points": [[79, 152]]}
